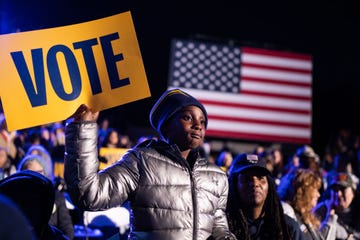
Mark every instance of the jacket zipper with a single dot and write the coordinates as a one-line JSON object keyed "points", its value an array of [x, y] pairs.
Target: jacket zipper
{"points": [[185, 163], [193, 194]]}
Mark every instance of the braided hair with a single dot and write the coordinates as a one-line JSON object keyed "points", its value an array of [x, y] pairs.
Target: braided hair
{"points": [[274, 226]]}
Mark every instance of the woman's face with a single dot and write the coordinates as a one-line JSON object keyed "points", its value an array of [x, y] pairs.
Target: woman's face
{"points": [[252, 188], [35, 166], [227, 159], [186, 128], [314, 193], [114, 138], [35, 152]]}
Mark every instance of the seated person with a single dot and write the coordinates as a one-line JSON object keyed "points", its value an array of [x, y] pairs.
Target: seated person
{"points": [[254, 209], [14, 224], [60, 216], [35, 196], [341, 206]]}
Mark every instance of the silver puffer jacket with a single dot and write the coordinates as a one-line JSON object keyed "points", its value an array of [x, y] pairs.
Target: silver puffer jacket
{"points": [[169, 200]]}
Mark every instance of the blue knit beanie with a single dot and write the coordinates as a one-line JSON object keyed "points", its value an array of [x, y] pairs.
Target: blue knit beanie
{"points": [[170, 102]]}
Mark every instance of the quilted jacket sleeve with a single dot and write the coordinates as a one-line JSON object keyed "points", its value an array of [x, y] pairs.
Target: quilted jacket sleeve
{"points": [[88, 188]]}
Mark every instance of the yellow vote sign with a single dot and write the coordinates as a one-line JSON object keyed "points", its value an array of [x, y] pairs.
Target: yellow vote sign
{"points": [[111, 155], [46, 74]]}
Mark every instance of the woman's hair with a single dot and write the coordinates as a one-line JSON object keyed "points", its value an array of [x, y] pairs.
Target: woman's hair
{"points": [[274, 227], [295, 188], [40, 150], [222, 156], [24, 164]]}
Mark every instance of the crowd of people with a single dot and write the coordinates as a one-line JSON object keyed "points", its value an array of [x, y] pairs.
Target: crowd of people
{"points": [[174, 188]]}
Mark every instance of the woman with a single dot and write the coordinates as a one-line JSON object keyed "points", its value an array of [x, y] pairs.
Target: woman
{"points": [[112, 139], [224, 160], [299, 193], [254, 210], [60, 216]]}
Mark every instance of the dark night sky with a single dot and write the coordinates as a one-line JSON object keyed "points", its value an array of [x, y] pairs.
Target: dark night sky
{"points": [[328, 31]]}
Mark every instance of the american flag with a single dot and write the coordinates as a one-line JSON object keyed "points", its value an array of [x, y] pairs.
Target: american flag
{"points": [[249, 93]]}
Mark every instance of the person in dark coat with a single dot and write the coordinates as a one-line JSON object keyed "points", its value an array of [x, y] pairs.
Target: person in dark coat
{"points": [[34, 194], [60, 216], [254, 209], [13, 223]]}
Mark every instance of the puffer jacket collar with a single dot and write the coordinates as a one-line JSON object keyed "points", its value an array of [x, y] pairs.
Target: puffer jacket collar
{"points": [[173, 152]]}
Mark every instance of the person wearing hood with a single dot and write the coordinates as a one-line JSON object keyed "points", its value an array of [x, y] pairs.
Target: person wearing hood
{"points": [[60, 215]]}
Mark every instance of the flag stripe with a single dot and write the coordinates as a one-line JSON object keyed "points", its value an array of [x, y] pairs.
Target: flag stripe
{"points": [[291, 91], [279, 68], [297, 60], [262, 80], [249, 93], [258, 93], [251, 106], [257, 128], [256, 101], [256, 137], [285, 76], [257, 114], [242, 119]]}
